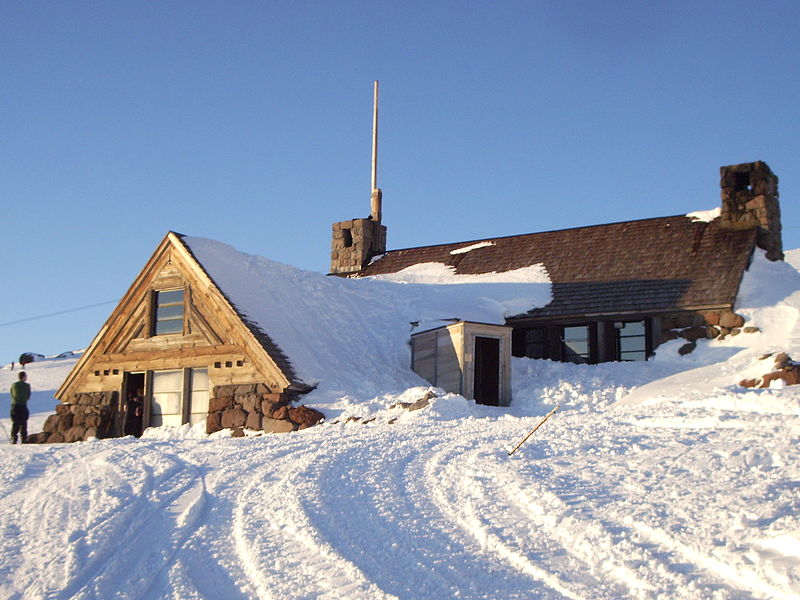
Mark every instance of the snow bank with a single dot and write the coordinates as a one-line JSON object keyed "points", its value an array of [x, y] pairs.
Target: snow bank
{"points": [[659, 479], [350, 336]]}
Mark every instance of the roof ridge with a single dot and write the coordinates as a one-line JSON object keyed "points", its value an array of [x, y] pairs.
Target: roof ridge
{"points": [[520, 235]]}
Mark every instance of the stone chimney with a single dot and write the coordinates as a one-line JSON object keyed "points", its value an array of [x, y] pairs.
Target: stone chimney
{"points": [[354, 243], [750, 200]]}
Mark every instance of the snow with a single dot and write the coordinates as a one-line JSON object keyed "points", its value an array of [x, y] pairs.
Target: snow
{"points": [[662, 479], [471, 247], [350, 336], [706, 216]]}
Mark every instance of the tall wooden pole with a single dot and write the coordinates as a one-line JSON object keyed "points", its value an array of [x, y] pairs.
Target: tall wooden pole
{"points": [[375, 136], [375, 200]]}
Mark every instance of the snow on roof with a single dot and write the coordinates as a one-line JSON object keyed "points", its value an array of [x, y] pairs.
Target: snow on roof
{"points": [[466, 249], [351, 335], [705, 216]]}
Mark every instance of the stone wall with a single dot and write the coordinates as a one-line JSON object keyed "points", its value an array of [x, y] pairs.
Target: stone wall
{"points": [[89, 415], [750, 199], [253, 406], [707, 324], [236, 407], [354, 243]]}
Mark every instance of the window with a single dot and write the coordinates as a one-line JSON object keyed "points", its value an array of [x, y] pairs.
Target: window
{"points": [[198, 400], [178, 397], [167, 398], [575, 344], [531, 342], [631, 340], [168, 312]]}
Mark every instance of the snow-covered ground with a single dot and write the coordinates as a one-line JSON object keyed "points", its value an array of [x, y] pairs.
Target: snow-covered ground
{"points": [[661, 479]]}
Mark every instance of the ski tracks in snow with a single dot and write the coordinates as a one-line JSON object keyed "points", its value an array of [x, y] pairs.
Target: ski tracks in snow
{"points": [[404, 511], [98, 524]]}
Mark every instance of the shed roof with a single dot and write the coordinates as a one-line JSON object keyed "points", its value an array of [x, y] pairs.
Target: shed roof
{"points": [[650, 265]]}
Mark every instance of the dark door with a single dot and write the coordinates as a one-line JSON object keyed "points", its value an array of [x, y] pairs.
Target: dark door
{"points": [[487, 371]]}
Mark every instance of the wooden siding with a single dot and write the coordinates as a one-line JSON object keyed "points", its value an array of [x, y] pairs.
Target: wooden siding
{"points": [[445, 357], [213, 336]]}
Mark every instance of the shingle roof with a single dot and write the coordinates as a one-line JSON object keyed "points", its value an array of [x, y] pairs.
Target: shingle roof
{"points": [[649, 265]]}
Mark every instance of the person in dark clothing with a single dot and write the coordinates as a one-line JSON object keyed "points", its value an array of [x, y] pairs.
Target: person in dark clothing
{"points": [[20, 394], [133, 408]]}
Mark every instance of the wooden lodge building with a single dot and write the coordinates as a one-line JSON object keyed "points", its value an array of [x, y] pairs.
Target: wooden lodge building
{"points": [[179, 345], [618, 290]]}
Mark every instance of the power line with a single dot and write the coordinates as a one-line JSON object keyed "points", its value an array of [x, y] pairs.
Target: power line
{"points": [[60, 312]]}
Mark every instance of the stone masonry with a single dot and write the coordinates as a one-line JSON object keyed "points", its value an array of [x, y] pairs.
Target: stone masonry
{"points": [[236, 407], [89, 415], [750, 199], [706, 324], [354, 243], [253, 406]]}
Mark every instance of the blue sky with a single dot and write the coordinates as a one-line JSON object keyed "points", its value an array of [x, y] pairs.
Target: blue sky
{"points": [[250, 123]]}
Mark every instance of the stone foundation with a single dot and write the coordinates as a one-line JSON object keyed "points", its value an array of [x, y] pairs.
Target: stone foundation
{"points": [[708, 324], [253, 406], [89, 415], [236, 407]]}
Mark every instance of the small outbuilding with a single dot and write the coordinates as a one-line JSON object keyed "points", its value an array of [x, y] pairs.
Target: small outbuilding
{"points": [[466, 358]]}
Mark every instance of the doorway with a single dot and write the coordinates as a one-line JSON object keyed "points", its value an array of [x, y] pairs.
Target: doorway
{"points": [[131, 409], [487, 371]]}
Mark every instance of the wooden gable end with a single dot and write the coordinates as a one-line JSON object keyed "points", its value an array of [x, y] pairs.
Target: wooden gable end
{"points": [[211, 335]]}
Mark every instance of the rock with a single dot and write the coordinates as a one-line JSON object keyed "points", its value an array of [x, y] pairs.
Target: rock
{"points": [[693, 334], [91, 432], [668, 336], [233, 418], [245, 388], [305, 416], [62, 408], [750, 330], [220, 403], [712, 332], [277, 425], [225, 391], [237, 432], [269, 406], [37, 438], [74, 434], [51, 424], [92, 421], [711, 318], [251, 403], [253, 420], [213, 422], [55, 438], [687, 348], [66, 421], [730, 320], [422, 403], [782, 360], [282, 412], [748, 383]]}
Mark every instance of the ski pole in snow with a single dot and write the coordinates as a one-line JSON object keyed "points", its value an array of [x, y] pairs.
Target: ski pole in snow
{"points": [[547, 416]]}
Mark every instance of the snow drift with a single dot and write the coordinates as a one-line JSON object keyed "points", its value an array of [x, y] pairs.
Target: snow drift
{"points": [[661, 479]]}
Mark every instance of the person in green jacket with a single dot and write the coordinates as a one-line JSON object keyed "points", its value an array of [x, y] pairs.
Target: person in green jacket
{"points": [[20, 394]]}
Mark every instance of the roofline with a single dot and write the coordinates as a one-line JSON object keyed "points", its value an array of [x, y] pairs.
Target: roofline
{"points": [[505, 237], [622, 313]]}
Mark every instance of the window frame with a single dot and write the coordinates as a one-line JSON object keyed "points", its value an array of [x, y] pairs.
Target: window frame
{"points": [[645, 336], [156, 307], [591, 343]]}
